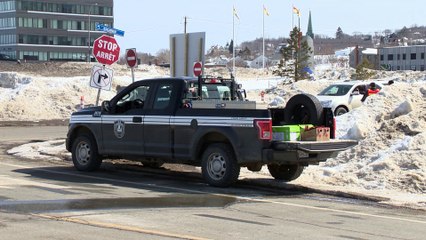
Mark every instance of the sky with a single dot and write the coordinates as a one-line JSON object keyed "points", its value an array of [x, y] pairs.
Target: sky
{"points": [[148, 24]]}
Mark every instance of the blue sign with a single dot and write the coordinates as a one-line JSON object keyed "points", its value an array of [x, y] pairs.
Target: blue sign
{"points": [[108, 29]]}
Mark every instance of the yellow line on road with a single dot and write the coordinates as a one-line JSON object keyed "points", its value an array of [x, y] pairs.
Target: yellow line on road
{"points": [[119, 227]]}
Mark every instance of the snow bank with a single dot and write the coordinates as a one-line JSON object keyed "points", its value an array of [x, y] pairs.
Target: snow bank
{"points": [[390, 126]]}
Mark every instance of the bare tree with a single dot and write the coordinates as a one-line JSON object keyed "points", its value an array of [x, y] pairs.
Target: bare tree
{"points": [[163, 56]]}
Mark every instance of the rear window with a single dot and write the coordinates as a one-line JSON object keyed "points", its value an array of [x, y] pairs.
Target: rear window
{"points": [[210, 91]]}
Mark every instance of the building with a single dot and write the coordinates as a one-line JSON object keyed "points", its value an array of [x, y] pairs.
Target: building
{"points": [[52, 30], [403, 58], [358, 54]]}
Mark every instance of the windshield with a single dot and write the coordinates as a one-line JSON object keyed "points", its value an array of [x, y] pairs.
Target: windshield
{"points": [[335, 90]]}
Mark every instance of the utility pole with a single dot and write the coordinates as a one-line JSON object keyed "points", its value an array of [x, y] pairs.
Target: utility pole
{"points": [[184, 25]]}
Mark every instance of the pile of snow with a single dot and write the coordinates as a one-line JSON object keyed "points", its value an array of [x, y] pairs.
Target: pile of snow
{"points": [[24, 97], [390, 126]]}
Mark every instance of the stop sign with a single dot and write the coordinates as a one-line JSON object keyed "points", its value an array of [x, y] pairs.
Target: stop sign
{"points": [[198, 69], [131, 58], [106, 50]]}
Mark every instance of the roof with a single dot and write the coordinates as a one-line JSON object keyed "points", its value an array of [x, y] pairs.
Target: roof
{"points": [[370, 51]]}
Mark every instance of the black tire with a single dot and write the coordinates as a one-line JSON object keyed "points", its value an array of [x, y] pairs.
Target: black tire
{"points": [[219, 166], [285, 172], [85, 153], [340, 111], [303, 109]]}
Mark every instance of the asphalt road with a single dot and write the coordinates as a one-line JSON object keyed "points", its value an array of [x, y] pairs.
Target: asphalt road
{"points": [[51, 200]]}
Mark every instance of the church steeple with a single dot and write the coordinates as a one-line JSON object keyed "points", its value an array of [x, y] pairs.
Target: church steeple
{"points": [[310, 32]]}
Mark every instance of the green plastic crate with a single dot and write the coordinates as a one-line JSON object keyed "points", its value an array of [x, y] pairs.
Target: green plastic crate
{"points": [[288, 132]]}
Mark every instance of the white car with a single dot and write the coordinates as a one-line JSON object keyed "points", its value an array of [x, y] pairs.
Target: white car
{"points": [[344, 96]]}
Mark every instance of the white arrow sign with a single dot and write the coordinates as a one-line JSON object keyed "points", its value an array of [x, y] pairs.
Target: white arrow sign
{"points": [[101, 77]]}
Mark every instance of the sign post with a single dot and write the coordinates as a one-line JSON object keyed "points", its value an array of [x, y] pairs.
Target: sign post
{"points": [[106, 52], [198, 69], [132, 61]]}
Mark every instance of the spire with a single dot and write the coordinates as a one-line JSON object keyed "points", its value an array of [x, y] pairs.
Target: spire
{"points": [[310, 32]]}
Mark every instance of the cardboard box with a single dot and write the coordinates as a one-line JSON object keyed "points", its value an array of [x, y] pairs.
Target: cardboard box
{"points": [[286, 133], [316, 134]]}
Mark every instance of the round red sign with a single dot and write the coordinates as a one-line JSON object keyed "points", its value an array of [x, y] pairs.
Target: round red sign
{"points": [[131, 58], [198, 69], [106, 50]]}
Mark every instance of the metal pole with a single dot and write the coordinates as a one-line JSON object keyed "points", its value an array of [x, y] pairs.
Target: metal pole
{"points": [[233, 42], [133, 74], [263, 34], [88, 28]]}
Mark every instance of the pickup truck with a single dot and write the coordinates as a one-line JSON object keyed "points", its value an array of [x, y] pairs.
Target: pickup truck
{"points": [[203, 122]]}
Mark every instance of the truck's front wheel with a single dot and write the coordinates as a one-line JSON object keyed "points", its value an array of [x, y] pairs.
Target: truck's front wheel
{"points": [[219, 166], [285, 172], [85, 154]]}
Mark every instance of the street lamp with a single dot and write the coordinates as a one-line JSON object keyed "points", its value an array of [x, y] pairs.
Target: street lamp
{"points": [[89, 41]]}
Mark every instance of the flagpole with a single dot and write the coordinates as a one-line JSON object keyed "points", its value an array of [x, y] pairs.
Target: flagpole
{"points": [[233, 43], [263, 29]]}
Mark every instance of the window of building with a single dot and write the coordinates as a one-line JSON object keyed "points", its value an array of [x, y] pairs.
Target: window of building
{"points": [[33, 55], [422, 67], [7, 23], [413, 56], [7, 6], [7, 39], [404, 56], [390, 57], [422, 55], [58, 7], [382, 57]]}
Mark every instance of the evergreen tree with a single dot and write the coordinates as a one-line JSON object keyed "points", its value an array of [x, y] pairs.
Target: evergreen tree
{"points": [[295, 57], [339, 33], [231, 47], [363, 70]]}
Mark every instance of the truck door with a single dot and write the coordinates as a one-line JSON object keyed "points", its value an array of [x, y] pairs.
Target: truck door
{"points": [[157, 129], [122, 127]]}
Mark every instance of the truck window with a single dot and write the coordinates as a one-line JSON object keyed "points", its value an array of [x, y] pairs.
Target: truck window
{"points": [[162, 97], [133, 100], [212, 91]]}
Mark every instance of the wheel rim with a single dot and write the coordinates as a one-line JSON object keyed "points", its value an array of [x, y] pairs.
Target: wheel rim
{"points": [[216, 166], [83, 153]]}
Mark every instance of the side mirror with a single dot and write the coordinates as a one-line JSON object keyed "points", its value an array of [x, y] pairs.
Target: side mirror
{"points": [[106, 107]]}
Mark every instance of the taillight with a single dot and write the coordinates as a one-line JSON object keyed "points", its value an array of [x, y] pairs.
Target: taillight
{"points": [[265, 129], [333, 129]]}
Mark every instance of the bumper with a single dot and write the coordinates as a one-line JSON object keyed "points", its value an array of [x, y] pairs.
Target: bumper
{"points": [[305, 153]]}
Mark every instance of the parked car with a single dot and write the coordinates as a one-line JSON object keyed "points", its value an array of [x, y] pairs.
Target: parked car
{"points": [[342, 97]]}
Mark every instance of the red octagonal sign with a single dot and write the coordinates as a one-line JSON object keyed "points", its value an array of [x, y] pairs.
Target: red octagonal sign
{"points": [[106, 50]]}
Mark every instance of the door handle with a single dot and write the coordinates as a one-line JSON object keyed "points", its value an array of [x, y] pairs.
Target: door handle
{"points": [[137, 119]]}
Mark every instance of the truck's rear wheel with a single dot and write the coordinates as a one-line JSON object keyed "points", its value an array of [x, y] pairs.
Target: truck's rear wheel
{"points": [[219, 166], [285, 172], [85, 154], [303, 108]]}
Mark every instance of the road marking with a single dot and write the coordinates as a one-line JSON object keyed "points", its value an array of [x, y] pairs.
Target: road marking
{"points": [[227, 195], [118, 227]]}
